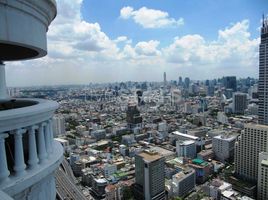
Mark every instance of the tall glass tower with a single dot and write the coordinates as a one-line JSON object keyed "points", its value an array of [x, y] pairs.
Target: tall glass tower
{"points": [[263, 74]]}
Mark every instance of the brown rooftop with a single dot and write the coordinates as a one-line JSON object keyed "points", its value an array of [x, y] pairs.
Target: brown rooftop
{"points": [[150, 155]]}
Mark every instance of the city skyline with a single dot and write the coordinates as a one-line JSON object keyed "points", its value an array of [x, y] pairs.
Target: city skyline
{"points": [[138, 41]]}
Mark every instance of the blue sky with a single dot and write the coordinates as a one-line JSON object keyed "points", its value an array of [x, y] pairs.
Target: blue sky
{"points": [[204, 17], [120, 40]]}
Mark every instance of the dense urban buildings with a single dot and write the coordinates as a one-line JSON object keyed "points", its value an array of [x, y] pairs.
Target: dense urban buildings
{"points": [[172, 139]]}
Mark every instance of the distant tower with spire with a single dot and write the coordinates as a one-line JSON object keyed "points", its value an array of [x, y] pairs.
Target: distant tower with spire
{"points": [[263, 73]]}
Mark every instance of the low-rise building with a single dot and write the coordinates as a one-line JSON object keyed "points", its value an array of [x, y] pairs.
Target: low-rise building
{"points": [[223, 147], [183, 183]]}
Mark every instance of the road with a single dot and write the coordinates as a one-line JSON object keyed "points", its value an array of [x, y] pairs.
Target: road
{"points": [[65, 183], [68, 170]]}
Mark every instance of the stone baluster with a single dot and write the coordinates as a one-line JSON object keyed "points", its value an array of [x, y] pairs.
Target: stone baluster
{"points": [[48, 139], [51, 133], [19, 166], [33, 159], [4, 172], [42, 152]]}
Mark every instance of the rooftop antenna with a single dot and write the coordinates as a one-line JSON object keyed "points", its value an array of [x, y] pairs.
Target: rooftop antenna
{"points": [[262, 20]]}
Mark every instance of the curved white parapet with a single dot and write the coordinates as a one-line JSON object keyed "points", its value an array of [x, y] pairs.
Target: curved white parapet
{"points": [[42, 110], [24, 24]]}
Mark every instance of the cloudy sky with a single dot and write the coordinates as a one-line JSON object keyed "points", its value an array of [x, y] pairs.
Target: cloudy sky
{"points": [[121, 40]]}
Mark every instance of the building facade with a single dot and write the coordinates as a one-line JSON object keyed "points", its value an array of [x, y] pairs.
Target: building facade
{"points": [[223, 147], [263, 74], [239, 102], [59, 125], [229, 82], [252, 141], [263, 176], [150, 176], [183, 183], [186, 149]]}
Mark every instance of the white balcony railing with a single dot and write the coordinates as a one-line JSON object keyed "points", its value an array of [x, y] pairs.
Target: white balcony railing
{"points": [[28, 152]]}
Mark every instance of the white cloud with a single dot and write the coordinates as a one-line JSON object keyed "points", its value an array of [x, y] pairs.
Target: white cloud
{"points": [[233, 52], [142, 50], [150, 18], [80, 52], [147, 48], [126, 12], [69, 32], [123, 39]]}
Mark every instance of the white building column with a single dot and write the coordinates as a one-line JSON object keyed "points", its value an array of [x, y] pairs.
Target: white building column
{"points": [[42, 152], [48, 139], [19, 166], [33, 159], [4, 172], [3, 88]]}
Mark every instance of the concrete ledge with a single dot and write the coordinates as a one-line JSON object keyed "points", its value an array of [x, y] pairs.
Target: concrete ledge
{"points": [[26, 116]]}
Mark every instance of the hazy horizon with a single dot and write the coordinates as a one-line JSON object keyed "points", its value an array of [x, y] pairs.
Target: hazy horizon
{"points": [[114, 41]]}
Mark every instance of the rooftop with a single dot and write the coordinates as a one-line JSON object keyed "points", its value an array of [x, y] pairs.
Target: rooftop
{"points": [[150, 156], [226, 137], [185, 135]]}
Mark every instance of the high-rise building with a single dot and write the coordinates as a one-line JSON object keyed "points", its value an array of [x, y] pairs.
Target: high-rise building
{"points": [[180, 81], [239, 103], [150, 176], [58, 125], [187, 82], [176, 98], [29, 156], [134, 119], [229, 82], [252, 141], [263, 74], [263, 176]]}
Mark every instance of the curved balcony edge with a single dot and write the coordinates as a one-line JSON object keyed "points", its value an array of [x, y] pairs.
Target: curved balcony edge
{"points": [[21, 117]]}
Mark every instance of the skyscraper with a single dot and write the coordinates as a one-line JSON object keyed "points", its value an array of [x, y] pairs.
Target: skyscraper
{"points": [[58, 125], [180, 81], [239, 102], [229, 82], [263, 74], [250, 163], [150, 176], [187, 82]]}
